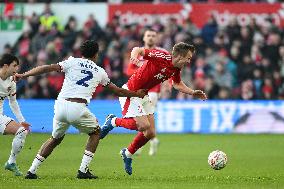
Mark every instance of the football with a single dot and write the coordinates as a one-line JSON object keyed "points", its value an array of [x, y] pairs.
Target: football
{"points": [[217, 160]]}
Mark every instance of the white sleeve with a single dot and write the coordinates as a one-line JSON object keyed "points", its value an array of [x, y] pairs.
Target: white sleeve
{"points": [[105, 79], [15, 108], [13, 89], [66, 64]]}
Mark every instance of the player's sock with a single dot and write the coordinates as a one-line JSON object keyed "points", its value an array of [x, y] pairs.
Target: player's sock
{"points": [[128, 123], [138, 141], [17, 144], [36, 163], [128, 154], [87, 158], [154, 142]]}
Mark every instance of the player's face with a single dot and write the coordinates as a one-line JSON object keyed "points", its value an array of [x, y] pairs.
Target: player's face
{"points": [[184, 60], [12, 68], [150, 38]]}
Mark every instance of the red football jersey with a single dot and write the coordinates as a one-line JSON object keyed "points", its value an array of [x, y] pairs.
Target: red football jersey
{"points": [[133, 67], [156, 70]]}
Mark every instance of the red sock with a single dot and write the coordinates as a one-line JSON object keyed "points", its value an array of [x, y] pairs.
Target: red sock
{"points": [[138, 141], [128, 123]]}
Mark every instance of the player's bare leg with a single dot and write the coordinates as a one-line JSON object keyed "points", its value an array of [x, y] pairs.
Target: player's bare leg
{"points": [[138, 152], [142, 125], [20, 133], [45, 150], [139, 123], [154, 142], [148, 133], [143, 136], [93, 141]]}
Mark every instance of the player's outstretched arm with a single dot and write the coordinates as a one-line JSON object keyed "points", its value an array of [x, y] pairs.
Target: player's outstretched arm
{"points": [[17, 112], [123, 92], [37, 71], [16, 108], [185, 89]]}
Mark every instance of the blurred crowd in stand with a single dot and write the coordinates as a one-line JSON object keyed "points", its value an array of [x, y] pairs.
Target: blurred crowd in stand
{"points": [[148, 1], [232, 62]]}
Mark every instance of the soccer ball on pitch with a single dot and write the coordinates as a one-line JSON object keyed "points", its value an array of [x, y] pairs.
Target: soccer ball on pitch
{"points": [[217, 159]]}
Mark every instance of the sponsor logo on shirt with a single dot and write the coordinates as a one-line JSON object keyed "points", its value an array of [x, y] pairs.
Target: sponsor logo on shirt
{"points": [[160, 55]]}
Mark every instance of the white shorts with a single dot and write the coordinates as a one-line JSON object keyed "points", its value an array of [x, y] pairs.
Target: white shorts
{"points": [[4, 121], [68, 113], [154, 96], [134, 106]]}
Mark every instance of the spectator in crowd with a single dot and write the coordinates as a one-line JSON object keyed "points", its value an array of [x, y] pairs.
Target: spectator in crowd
{"points": [[233, 61]]}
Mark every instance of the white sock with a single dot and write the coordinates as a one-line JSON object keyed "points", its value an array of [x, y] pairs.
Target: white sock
{"points": [[87, 158], [113, 121], [17, 144], [154, 141], [128, 154], [36, 163]]}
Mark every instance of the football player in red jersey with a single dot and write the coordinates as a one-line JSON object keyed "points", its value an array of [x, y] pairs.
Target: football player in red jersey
{"points": [[150, 41], [139, 112]]}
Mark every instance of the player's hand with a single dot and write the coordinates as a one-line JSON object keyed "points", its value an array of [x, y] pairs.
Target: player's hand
{"points": [[141, 93], [26, 126], [17, 77], [199, 94], [135, 61]]}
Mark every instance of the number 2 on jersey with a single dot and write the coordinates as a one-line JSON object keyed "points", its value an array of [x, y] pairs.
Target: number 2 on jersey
{"points": [[87, 78]]}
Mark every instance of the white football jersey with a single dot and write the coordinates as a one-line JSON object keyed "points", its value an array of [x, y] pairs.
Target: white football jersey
{"points": [[82, 76], [7, 88]]}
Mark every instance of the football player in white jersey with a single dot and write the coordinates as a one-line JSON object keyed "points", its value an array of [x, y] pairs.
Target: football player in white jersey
{"points": [[8, 67], [82, 76]]}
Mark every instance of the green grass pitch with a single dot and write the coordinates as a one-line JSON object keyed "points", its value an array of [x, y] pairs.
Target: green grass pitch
{"points": [[254, 161]]}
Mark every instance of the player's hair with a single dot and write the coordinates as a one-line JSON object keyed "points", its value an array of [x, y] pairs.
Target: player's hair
{"points": [[150, 29], [8, 59], [89, 48], [182, 49]]}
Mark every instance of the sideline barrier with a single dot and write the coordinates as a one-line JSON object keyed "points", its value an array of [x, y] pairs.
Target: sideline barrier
{"points": [[192, 116]]}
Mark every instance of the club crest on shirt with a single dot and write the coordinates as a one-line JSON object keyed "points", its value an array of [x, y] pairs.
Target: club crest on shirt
{"points": [[159, 76]]}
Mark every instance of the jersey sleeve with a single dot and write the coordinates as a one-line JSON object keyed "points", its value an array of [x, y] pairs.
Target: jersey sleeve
{"points": [[105, 79], [66, 64], [131, 69], [157, 55], [13, 89], [176, 78]]}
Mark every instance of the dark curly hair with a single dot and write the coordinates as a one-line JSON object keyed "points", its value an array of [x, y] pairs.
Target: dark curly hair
{"points": [[8, 59], [89, 48]]}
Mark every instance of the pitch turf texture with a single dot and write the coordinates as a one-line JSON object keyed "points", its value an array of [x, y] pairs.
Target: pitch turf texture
{"points": [[255, 161]]}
